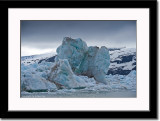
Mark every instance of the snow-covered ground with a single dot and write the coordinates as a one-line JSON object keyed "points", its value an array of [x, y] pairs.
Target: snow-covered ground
{"points": [[27, 60], [35, 71], [123, 61]]}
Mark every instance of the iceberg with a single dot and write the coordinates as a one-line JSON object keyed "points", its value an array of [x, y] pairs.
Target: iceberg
{"points": [[73, 50], [77, 68], [63, 76], [74, 59], [34, 77], [88, 61]]}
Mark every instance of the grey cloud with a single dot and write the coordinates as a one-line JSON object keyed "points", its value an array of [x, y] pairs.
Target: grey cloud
{"points": [[48, 34]]}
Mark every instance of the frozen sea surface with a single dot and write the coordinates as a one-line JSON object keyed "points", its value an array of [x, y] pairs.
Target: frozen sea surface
{"points": [[81, 94]]}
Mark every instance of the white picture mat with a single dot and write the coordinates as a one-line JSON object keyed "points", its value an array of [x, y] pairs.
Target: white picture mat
{"points": [[110, 104]]}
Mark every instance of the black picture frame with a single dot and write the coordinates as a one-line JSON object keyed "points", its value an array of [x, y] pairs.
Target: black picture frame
{"points": [[151, 4]]}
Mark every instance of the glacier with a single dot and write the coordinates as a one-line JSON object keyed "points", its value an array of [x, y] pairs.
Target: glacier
{"points": [[89, 61], [125, 85], [62, 75], [76, 68], [34, 77]]}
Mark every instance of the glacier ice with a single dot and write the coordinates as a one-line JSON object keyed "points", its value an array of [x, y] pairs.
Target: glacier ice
{"points": [[72, 49], [63, 76], [76, 66], [41, 77], [34, 77], [89, 61]]}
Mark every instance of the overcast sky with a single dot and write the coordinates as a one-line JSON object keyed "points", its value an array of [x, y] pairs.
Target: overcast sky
{"points": [[39, 37]]}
